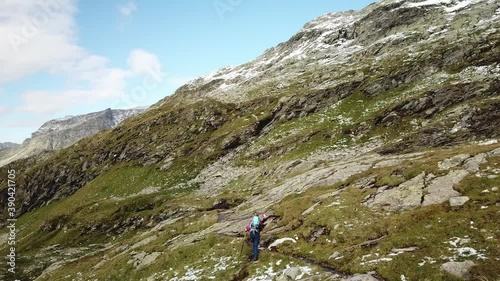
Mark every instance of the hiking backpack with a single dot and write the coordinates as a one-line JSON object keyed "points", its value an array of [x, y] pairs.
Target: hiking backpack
{"points": [[255, 225]]}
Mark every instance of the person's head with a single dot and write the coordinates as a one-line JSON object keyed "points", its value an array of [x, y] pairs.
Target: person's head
{"points": [[255, 214]]}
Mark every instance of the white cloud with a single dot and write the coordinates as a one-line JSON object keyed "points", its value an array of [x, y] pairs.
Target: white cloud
{"points": [[104, 83], [37, 36], [40, 37], [127, 9], [142, 62]]}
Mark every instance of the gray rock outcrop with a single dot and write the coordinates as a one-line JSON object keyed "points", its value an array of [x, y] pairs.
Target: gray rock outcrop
{"points": [[472, 164], [458, 201], [452, 162], [407, 195], [458, 269], [441, 189]]}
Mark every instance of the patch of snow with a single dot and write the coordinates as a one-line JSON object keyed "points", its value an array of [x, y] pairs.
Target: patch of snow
{"points": [[488, 142], [458, 6], [472, 225], [331, 21], [454, 241], [191, 275], [365, 256], [225, 87], [223, 73], [343, 120], [376, 261], [440, 32], [299, 53], [281, 241], [222, 265], [468, 252], [426, 260], [463, 252], [269, 273], [334, 203], [429, 3], [432, 29], [304, 270], [395, 254]]}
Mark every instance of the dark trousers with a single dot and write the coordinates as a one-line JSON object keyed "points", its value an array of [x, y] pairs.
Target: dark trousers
{"points": [[255, 236]]}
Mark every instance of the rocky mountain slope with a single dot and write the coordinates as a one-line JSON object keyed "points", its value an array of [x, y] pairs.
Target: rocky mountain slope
{"points": [[370, 137], [60, 133]]}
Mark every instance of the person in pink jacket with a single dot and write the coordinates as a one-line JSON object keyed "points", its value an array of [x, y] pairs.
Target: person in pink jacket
{"points": [[254, 227]]}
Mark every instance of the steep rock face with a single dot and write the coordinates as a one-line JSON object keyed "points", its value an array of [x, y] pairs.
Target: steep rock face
{"points": [[61, 133]]}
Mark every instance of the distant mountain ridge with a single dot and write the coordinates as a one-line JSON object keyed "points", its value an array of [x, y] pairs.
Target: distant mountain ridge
{"points": [[63, 132], [4, 145]]}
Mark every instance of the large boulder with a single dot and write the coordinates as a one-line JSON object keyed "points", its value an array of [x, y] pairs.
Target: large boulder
{"points": [[406, 196], [458, 269], [441, 189], [458, 201], [472, 164], [292, 272], [452, 162]]}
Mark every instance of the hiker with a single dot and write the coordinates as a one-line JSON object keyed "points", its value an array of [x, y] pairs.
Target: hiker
{"points": [[254, 228]]}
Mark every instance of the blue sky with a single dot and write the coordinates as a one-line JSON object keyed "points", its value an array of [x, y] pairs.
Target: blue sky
{"points": [[68, 57]]}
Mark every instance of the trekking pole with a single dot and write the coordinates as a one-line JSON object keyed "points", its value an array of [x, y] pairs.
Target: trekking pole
{"points": [[243, 242]]}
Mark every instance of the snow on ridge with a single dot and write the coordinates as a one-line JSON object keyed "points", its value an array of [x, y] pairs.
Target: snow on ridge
{"points": [[429, 3], [63, 123], [321, 43], [332, 21], [65, 118], [223, 73], [299, 53], [329, 23], [457, 5]]}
